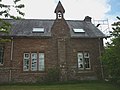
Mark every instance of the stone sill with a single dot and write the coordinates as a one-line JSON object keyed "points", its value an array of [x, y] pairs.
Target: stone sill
{"points": [[1, 64], [85, 71]]}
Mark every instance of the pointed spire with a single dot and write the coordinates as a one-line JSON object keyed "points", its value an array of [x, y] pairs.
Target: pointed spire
{"points": [[59, 8], [59, 11]]}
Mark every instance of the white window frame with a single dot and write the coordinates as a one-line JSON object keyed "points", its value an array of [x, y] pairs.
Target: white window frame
{"points": [[41, 62], [78, 30], [81, 60], [39, 30], [25, 60], [33, 61], [88, 58]]}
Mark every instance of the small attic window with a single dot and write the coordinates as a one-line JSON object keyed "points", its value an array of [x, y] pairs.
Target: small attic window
{"points": [[78, 30], [39, 30]]}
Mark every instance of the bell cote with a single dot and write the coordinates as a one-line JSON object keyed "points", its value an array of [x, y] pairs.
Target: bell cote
{"points": [[59, 11]]}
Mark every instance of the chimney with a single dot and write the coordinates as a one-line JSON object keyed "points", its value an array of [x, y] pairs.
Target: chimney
{"points": [[87, 19]]}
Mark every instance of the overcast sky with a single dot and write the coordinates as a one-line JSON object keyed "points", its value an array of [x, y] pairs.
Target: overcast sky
{"points": [[74, 9]]}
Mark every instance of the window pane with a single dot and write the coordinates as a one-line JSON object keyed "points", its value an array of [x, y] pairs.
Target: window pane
{"points": [[1, 55], [86, 55], [33, 61], [41, 62], [41, 30], [26, 62], [87, 60], [80, 61], [87, 65], [78, 30]]}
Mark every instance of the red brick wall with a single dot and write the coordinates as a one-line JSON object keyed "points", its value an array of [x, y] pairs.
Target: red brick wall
{"points": [[91, 46], [59, 49]]}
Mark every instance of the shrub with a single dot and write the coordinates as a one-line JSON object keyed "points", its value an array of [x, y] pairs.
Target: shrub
{"points": [[53, 75]]}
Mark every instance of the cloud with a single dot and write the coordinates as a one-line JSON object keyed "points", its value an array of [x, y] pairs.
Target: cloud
{"points": [[80, 8], [74, 9], [40, 9]]}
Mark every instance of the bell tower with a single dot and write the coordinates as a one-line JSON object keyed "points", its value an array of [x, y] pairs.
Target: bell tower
{"points": [[59, 11], [60, 32]]}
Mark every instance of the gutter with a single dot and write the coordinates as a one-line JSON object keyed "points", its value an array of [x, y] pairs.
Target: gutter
{"points": [[11, 48], [11, 58], [100, 57]]}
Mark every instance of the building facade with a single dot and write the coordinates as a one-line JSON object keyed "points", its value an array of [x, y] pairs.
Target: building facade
{"points": [[73, 46]]}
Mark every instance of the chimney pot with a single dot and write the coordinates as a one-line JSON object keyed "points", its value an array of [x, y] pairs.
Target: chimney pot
{"points": [[87, 19]]}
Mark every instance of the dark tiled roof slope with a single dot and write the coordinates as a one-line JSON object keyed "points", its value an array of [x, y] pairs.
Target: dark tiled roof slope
{"points": [[90, 30], [25, 28]]}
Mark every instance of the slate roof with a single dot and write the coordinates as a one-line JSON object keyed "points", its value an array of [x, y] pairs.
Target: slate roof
{"points": [[24, 28], [90, 30]]}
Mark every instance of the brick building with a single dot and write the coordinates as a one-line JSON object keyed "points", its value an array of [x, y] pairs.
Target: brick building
{"points": [[73, 46]]}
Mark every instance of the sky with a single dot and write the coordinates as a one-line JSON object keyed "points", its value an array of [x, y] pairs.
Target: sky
{"points": [[74, 9]]}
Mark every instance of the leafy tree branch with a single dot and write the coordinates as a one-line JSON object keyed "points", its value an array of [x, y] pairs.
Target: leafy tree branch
{"points": [[111, 57], [5, 13]]}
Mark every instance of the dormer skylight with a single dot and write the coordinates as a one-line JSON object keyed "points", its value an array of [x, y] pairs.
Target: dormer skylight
{"points": [[80, 30], [38, 30]]}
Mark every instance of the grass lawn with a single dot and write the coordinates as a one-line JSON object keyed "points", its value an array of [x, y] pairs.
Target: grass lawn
{"points": [[74, 86]]}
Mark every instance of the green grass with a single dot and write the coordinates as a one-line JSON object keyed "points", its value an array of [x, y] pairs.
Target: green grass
{"points": [[65, 86]]}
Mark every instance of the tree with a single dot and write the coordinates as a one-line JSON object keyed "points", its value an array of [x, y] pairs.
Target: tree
{"points": [[111, 57], [5, 12]]}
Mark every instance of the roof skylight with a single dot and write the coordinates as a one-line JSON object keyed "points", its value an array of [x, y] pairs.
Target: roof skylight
{"points": [[41, 30], [78, 30]]}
